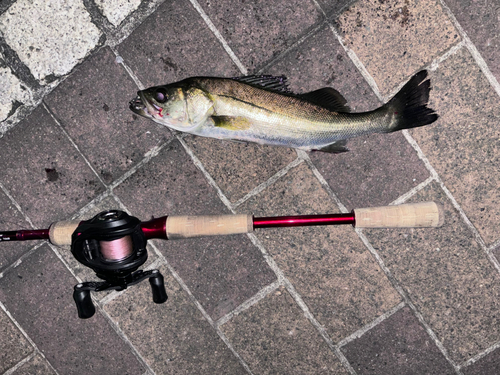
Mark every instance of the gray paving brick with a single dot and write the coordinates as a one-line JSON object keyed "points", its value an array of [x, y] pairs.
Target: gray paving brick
{"points": [[320, 61], [238, 168], [258, 30], [44, 172], [13, 345], [329, 266], [179, 44], [398, 345], [173, 337], [463, 145], [36, 365], [412, 35], [449, 278], [274, 337], [480, 22], [14, 93], [38, 293], [221, 272], [92, 106], [11, 219], [489, 364], [378, 169], [334, 8], [496, 252]]}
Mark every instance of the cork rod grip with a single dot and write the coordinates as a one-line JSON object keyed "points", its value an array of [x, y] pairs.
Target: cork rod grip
{"points": [[196, 226], [413, 215], [61, 231]]}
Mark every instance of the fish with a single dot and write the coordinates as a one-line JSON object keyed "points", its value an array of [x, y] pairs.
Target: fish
{"points": [[263, 110]]}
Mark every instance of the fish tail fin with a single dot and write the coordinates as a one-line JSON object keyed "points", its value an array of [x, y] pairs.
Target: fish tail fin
{"points": [[409, 105]]}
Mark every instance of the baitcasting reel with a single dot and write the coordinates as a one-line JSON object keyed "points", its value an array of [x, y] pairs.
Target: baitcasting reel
{"points": [[113, 244]]}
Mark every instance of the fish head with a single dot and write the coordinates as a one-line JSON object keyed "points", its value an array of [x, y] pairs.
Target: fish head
{"points": [[165, 105]]}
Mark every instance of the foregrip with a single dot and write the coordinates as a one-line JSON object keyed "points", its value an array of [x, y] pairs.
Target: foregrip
{"points": [[61, 231], [197, 226]]}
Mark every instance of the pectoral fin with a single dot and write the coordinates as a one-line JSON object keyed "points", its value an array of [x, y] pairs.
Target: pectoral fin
{"points": [[334, 148], [231, 123]]}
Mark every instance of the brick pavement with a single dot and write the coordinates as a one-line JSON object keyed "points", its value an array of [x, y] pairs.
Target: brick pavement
{"points": [[324, 300]]}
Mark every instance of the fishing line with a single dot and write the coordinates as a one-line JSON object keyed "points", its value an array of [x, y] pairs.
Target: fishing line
{"points": [[118, 249]]}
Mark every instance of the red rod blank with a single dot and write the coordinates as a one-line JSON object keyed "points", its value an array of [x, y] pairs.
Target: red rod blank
{"points": [[303, 220], [25, 235]]}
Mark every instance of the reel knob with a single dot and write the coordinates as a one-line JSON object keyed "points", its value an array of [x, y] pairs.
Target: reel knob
{"points": [[83, 300], [158, 287]]}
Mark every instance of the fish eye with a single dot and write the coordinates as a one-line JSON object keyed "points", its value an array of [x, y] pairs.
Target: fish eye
{"points": [[161, 95]]}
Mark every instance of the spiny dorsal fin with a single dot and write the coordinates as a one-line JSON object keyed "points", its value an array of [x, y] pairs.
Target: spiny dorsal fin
{"points": [[328, 98], [274, 83]]}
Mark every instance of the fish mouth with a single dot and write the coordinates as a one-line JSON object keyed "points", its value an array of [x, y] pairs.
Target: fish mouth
{"points": [[143, 107], [137, 105]]}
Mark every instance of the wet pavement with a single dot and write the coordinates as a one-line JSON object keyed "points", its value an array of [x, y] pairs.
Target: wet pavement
{"points": [[322, 300]]}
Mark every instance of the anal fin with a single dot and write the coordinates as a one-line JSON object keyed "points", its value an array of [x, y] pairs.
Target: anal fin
{"points": [[334, 148], [231, 122]]}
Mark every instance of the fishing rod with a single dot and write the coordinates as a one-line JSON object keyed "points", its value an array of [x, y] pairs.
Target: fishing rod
{"points": [[113, 243]]}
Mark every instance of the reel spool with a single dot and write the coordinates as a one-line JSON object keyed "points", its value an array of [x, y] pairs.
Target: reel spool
{"points": [[113, 244]]}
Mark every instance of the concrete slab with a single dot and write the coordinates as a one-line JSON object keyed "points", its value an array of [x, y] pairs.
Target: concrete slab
{"points": [[55, 36], [116, 11]]}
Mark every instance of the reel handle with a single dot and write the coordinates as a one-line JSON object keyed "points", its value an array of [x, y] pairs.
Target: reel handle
{"points": [[83, 301], [158, 287]]}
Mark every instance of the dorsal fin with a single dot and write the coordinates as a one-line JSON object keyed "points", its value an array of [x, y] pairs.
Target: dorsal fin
{"points": [[328, 98], [274, 83]]}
